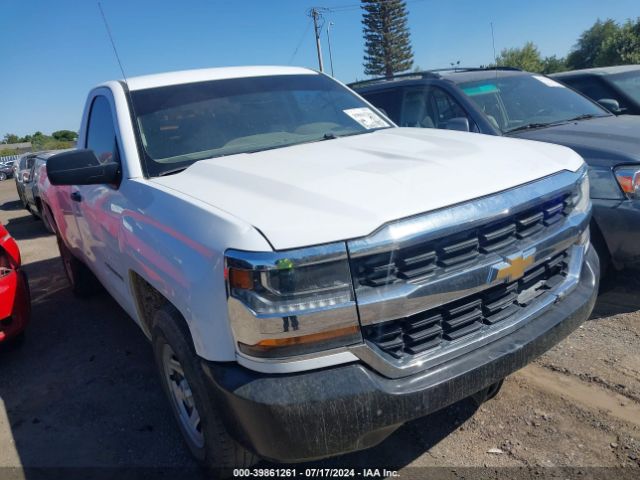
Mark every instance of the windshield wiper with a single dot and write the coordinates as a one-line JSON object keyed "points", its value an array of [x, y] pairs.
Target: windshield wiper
{"points": [[528, 126], [584, 116], [332, 136], [172, 171]]}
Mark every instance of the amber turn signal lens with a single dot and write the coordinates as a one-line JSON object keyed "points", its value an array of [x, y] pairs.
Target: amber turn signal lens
{"points": [[311, 338], [629, 181], [242, 279]]}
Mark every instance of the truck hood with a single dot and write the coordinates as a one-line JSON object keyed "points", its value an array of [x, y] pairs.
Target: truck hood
{"points": [[605, 141], [348, 187]]}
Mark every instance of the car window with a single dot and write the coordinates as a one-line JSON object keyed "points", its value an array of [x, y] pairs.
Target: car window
{"points": [[430, 107], [594, 88], [34, 165], [447, 108], [101, 134], [516, 101], [388, 100], [629, 83]]}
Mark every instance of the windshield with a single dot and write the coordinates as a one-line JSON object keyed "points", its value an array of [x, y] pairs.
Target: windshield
{"points": [[628, 82], [515, 102], [181, 124]]}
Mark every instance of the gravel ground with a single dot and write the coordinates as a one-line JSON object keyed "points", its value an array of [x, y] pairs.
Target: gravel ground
{"points": [[82, 392]]}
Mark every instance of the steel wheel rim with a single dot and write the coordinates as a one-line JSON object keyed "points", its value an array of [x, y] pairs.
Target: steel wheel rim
{"points": [[182, 397]]}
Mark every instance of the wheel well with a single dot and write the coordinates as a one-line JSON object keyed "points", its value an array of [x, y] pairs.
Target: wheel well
{"points": [[598, 238], [49, 215], [148, 299], [602, 249]]}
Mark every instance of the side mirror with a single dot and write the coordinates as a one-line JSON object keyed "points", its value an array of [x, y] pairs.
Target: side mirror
{"points": [[26, 177], [81, 167], [610, 104], [458, 123]]}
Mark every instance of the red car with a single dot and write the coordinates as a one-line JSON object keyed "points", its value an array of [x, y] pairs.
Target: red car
{"points": [[15, 302]]}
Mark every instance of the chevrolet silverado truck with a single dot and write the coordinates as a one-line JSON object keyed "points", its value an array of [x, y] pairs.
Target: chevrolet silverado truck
{"points": [[310, 275]]}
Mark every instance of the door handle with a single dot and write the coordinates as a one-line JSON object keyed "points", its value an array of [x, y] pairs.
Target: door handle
{"points": [[76, 197]]}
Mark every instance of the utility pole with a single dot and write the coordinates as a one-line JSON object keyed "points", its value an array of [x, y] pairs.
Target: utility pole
{"points": [[329, 42], [315, 14]]}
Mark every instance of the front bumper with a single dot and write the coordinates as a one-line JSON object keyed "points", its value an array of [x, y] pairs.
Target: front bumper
{"points": [[619, 222], [310, 415]]}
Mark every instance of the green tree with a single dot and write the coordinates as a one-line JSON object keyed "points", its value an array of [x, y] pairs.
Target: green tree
{"points": [[526, 58], [64, 135], [589, 51], [10, 138], [386, 36], [553, 64], [38, 140], [623, 47]]}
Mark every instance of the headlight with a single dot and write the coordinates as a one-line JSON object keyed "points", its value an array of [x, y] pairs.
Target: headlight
{"points": [[628, 178], [291, 302], [582, 200]]}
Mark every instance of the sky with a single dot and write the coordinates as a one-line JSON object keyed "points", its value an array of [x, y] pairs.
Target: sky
{"points": [[53, 51]]}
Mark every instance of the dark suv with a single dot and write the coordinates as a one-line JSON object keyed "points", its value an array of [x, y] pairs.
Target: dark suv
{"points": [[519, 104], [616, 88]]}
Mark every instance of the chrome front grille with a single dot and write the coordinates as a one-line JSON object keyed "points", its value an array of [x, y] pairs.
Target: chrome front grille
{"points": [[438, 327], [434, 286], [457, 251]]}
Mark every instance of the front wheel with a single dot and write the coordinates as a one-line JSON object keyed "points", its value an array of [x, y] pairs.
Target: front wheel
{"points": [[3, 176], [184, 383]]}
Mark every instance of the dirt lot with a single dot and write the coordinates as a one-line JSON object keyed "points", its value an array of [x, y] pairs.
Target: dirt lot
{"points": [[82, 392]]}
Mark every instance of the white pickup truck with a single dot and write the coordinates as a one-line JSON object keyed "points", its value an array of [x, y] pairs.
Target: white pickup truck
{"points": [[310, 275]]}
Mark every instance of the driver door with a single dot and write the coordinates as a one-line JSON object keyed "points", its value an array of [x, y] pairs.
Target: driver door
{"points": [[100, 206]]}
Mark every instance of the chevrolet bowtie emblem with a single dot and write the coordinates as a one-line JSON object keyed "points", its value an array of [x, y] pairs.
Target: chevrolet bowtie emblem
{"points": [[513, 267]]}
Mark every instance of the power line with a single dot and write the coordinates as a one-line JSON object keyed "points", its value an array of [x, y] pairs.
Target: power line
{"points": [[304, 35], [354, 6]]}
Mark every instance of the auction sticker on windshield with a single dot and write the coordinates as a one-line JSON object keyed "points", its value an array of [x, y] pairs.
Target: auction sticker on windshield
{"points": [[481, 89], [366, 117], [548, 82]]}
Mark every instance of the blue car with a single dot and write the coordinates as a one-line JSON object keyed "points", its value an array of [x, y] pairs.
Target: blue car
{"points": [[520, 104]]}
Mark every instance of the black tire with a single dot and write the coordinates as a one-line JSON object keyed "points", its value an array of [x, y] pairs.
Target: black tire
{"points": [[217, 451], [487, 394], [82, 281], [3, 176]]}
